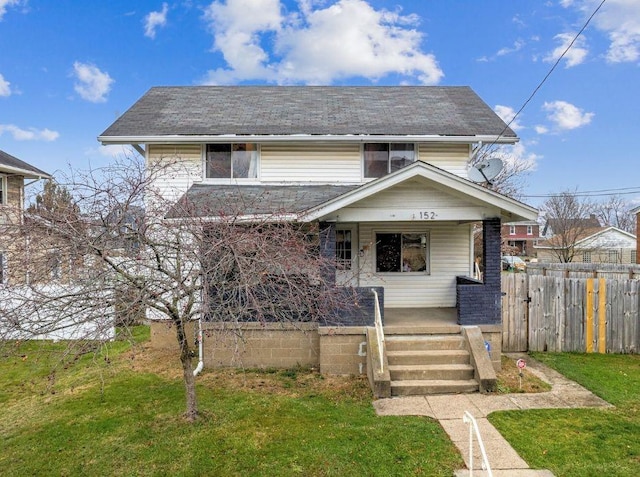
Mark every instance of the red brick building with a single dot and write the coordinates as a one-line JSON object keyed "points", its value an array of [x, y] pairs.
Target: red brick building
{"points": [[518, 238]]}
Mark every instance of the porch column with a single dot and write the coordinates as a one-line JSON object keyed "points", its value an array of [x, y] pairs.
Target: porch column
{"points": [[492, 269], [480, 303]]}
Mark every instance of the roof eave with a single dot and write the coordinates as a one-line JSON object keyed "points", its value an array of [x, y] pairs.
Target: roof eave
{"points": [[182, 139], [28, 174]]}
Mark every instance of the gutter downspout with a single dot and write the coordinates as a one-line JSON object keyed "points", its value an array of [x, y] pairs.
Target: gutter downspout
{"points": [[200, 350]]}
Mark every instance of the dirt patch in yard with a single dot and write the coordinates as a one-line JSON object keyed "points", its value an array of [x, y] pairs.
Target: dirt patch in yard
{"points": [[510, 381], [294, 382]]}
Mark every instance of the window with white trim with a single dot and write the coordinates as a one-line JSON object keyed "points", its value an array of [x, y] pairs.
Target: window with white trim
{"points": [[529, 229], [614, 256], [512, 229], [586, 257], [381, 159], [402, 252], [231, 161], [344, 251], [3, 190]]}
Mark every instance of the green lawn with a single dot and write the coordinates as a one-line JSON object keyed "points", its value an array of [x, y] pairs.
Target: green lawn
{"points": [[103, 413], [583, 442]]}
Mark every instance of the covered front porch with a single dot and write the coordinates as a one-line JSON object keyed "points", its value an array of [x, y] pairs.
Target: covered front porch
{"points": [[411, 233]]}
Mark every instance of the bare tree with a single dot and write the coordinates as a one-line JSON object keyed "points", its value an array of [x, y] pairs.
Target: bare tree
{"points": [[177, 260], [616, 212], [570, 219], [512, 178]]}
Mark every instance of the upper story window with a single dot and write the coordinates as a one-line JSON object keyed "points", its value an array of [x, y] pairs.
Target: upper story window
{"points": [[383, 158], [512, 229], [529, 229], [232, 161]]}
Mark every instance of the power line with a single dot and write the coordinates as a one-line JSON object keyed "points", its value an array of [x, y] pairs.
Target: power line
{"points": [[575, 38], [593, 193]]}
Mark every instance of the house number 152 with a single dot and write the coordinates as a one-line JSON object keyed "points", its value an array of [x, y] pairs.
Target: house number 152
{"points": [[426, 215]]}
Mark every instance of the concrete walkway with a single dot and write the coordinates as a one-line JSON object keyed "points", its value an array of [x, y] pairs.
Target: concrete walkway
{"points": [[449, 409]]}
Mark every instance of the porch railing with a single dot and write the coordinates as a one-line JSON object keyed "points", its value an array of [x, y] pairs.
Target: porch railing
{"points": [[379, 329], [467, 418]]}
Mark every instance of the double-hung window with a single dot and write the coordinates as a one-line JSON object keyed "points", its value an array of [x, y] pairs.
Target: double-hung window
{"points": [[3, 190], [343, 249], [383, 158], [402, 252], [232, 161]]}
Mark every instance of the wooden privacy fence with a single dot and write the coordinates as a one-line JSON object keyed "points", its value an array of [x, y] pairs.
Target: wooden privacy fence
{"points": [[550, 313]]}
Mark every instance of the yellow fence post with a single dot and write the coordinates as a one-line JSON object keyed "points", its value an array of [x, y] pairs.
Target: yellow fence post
{"points": [[589, 317]]}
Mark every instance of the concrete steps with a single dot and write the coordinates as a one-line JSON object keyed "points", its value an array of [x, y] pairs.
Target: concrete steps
{"points": [[421, 364]]}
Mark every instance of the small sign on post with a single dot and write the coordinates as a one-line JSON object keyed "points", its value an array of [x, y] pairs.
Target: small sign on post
{"points": [[521, 363]]}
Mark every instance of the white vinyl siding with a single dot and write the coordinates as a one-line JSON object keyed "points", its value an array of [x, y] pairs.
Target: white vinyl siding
{"points": [[178, 166], [450, 157], [449, 254], [325, 163], [413, 193]]}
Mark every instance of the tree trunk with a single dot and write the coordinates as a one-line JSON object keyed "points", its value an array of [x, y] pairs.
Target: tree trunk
{"points": [[187, 372]]}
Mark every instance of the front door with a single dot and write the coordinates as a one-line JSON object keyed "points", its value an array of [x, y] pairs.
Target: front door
{"points": [[347, 255]]}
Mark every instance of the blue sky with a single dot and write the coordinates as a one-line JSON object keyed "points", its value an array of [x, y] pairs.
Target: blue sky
{"points": [[68, 68]]}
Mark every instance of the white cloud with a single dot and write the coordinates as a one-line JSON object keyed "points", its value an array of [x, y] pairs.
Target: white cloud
{"points": [[317, 44], [31, 134], [91, 83], [540, 129], [111, 151], [576, 53], [5, 87], [517, 156], [507, 113], [4, 4], [565, 115], [153, 20], [620, 21], [517, 46]]}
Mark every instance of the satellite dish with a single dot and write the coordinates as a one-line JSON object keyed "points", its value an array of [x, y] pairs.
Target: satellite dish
{"points": [[485, 171]]}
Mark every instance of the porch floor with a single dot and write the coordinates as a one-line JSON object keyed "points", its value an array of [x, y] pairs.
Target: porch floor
{"points": [[420, 320]]}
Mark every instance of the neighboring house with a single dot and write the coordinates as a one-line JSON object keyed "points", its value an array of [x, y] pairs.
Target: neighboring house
{"points": [[382, 170], [597, 245], [555, 226], [519, 238], [637, 212], [13, 173]]}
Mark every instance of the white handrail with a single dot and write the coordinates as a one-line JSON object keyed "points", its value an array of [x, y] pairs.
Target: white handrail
{"points": [[467, 418], [379, 330]]}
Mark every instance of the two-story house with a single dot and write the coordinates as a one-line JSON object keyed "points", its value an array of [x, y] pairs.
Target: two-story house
{"points": [[382, 169], [519, 238], [13, 173]]}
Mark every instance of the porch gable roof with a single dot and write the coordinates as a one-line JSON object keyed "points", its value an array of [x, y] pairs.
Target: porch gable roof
{"points": [[510, 209]]}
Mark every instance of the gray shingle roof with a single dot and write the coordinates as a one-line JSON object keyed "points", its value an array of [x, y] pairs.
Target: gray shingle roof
{"points": [[314, 110], [7, 160], [211, 200]]}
